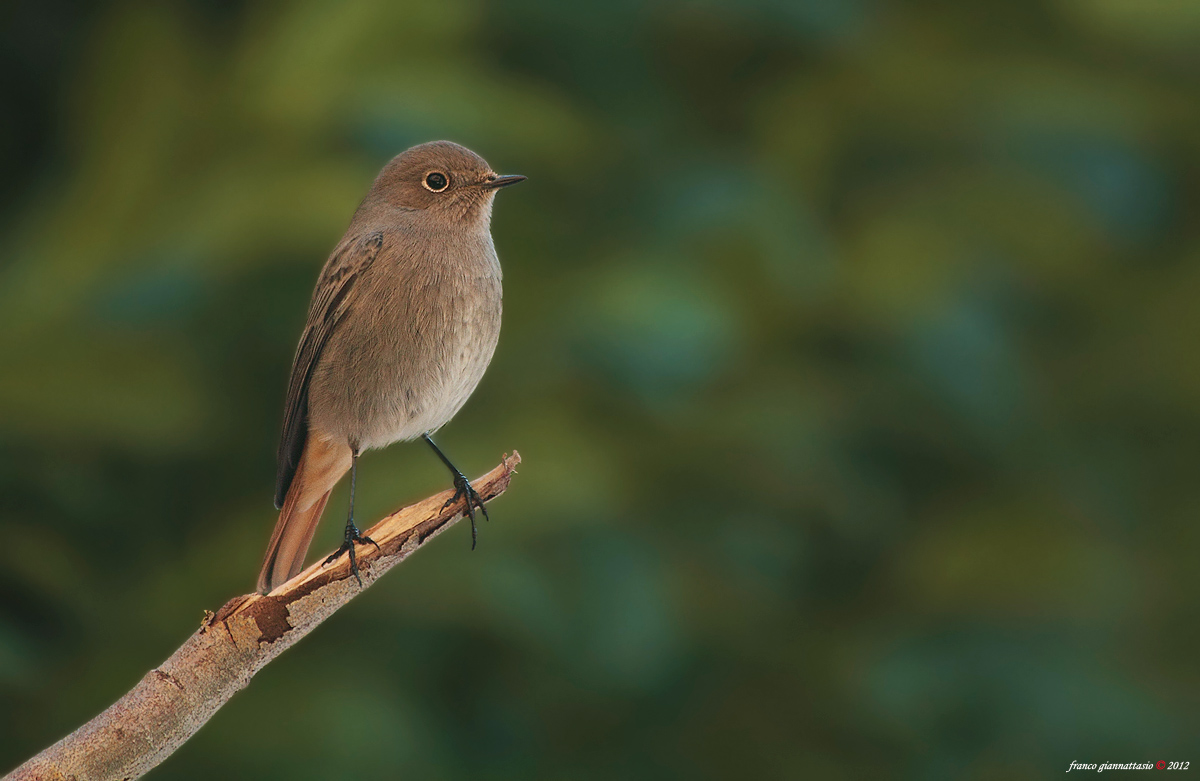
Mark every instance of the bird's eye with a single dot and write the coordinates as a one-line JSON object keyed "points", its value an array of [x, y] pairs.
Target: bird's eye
{"points": [[436, 182]]}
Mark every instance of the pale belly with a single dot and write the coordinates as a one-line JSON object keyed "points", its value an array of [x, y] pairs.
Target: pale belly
{"points": [[402, 415], [407, 371]]}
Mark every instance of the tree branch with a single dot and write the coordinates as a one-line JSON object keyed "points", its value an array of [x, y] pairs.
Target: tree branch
{"points": [[175, 699]]}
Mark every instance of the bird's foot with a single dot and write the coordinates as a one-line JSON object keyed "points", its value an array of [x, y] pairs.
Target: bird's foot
{"points": [[352, 536], [463, 488]]}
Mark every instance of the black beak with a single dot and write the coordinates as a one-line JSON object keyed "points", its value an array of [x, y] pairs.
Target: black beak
{"points": [[502, 181]]}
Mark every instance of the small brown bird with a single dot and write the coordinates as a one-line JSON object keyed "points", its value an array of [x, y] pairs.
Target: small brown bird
{"points": [[402, 325]]}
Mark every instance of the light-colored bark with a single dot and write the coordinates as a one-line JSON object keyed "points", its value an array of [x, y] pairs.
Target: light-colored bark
{"points": [[175, 699]]}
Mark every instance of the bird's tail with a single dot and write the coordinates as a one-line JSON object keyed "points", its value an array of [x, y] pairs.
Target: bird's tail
{"points": [[321, 466]]}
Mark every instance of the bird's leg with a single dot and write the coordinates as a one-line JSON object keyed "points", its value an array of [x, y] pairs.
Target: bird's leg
{"points": [[462, 487], [352, 535]]}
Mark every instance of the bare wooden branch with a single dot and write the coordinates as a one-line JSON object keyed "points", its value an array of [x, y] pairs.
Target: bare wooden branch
{"points": [[175, 699]]}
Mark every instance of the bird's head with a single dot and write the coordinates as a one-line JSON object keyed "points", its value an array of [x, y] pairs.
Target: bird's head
{"points": [[442, 178]]}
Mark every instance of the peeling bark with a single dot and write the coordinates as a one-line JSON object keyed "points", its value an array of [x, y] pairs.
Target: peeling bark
{"points": [[175, 699]]}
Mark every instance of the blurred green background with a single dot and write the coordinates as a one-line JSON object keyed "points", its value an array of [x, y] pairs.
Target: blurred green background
{"points": [[851, 347]]}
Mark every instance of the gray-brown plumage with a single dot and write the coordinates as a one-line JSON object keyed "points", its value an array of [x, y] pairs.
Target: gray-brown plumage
{"points": [[402, 325]]}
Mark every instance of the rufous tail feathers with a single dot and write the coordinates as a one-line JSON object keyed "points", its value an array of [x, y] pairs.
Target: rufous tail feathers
{"points": [[321, 466]]}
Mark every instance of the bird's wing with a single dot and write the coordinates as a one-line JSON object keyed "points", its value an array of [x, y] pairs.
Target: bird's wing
{"points": [[331, 300]]}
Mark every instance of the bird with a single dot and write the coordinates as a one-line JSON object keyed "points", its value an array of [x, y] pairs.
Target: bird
{"points": [[402, 325]]}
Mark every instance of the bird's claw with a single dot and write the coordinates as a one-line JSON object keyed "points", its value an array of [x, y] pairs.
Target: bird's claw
{"points": [[352, 536], [463, 487]]}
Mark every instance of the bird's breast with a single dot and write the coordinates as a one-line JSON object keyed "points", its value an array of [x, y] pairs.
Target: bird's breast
{"points": [[416, 344]]}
